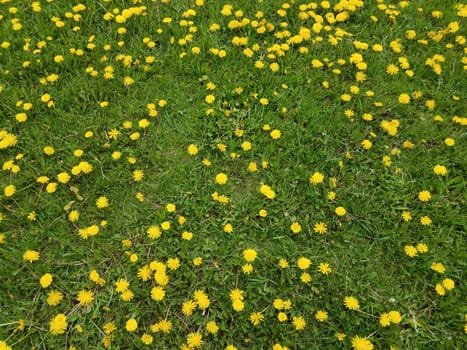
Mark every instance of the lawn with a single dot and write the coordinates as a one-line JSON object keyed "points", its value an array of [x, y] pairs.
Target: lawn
{"points": [[205, 174]]}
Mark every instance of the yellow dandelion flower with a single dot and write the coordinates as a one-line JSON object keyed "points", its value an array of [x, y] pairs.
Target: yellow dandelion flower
{"points": [[85, 297], [192, 150], [201, 299], [131, 325], [316, 178], [138, 175], [154, 232], [209, 99], [188, 307], [324, 268], [238, 305], [282, 317], [449, 142], [384, 320], [212, 327], [404, 99], [275, 134], [359, 343], [249, 255], [102, 202], [321, 315], [194, 340], [58, 324], [448, 284], [367, 144], [303, 263], [147, 339], [63, 177], [299, 322], [296, 227], [46, 280], [221, 179], [438, 267], [188, 236], [73, 215], [440, 289], [422, 248], [9, 190], [320, 227], [256, 318], [410, 250], [305, 277], [424, 196], [395, 316], [425, 220], [173, 263], [121, 285], [340, 211], [54, 298], [157, 293], [31, 255], [351, 303], [127, 295], [440, 170]]}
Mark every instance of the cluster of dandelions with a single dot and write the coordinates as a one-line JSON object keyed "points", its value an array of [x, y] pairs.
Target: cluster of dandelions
{"points": [[269, 43]]}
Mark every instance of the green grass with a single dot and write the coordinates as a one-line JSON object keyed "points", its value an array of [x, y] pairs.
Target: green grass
{"points": [[366, 248]]}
